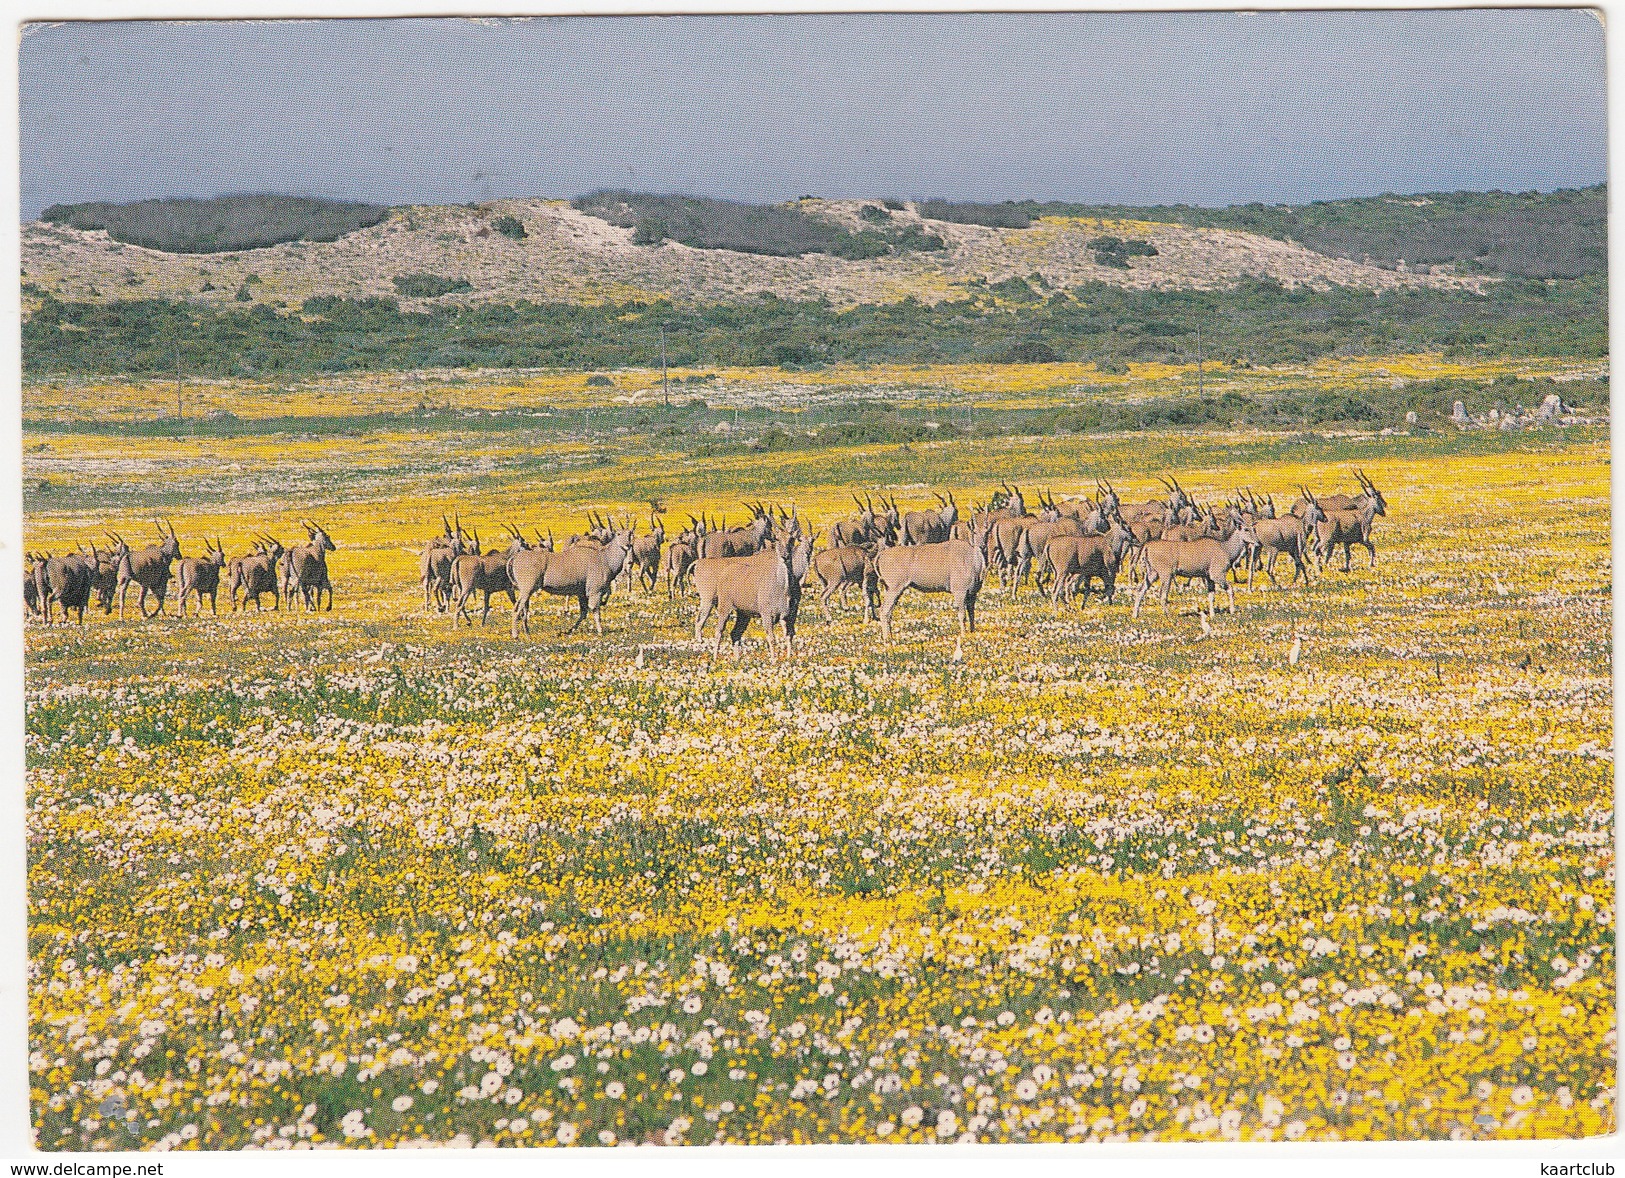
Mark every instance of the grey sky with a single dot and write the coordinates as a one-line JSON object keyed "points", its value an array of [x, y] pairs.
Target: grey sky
{"points": [[1207, 108]]}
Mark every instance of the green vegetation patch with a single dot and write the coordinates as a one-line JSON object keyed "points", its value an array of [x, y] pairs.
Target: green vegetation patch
{"points": [[510, 226], [429, 286], [775, 230], [1009, 215], [1116, 251], [1257, 322], [219, 224], [1562, 234]]}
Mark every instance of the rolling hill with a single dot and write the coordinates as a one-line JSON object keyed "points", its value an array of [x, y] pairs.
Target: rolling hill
{"points": [[567, 255]]}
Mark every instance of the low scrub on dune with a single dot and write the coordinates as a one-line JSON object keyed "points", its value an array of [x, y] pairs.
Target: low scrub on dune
{"points": [[221, 223]]}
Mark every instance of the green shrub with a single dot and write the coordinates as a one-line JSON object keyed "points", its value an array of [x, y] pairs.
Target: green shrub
{"points": [[429, 286], [510, 227], [1115, 251]]}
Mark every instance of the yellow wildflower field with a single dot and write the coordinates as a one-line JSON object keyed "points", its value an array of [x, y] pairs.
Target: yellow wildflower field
{"points": [[366, 878]]}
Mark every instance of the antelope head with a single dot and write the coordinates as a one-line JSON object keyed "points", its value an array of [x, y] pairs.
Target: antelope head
{"points": [[170, 549], [319, 538], [1371, 489]]}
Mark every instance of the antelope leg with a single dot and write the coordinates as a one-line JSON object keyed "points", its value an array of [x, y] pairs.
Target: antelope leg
{"points": [[886, 608], [581, 604], [722, 624]]}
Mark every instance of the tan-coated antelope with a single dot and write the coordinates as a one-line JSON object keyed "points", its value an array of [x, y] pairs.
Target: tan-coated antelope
{"points": [[849, 565], [483, 572], [741, 541], [304, 568], [1076, 560], [434, 567], [1292, 535], [255, 574], [644, 562], [932, 525], [1207, 560], [580, 571], [739, 588], [1036, 543], [201, 575], [1351, 525], [1341, 502], [679, 558], [955, 567], [148, 568]]}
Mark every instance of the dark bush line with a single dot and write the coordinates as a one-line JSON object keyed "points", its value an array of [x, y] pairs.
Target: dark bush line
{"points": [[1009, 215], [429, 286], [219, 224], [1253, 323], [774, 230]]}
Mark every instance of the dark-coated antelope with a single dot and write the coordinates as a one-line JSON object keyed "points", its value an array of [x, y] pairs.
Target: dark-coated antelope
{"points": [[148, 568], [64, 581], [255, 574], [1351, 525]]}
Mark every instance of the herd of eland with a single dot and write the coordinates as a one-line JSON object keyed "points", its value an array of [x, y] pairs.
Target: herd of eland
{"points": [[760, 568]]}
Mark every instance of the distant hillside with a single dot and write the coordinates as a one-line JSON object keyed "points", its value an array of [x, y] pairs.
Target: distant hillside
{"points": [[1562, 234], [219, 224], [695, 253]]}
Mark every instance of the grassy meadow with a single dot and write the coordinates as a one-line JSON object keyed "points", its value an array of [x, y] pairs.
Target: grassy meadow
{"points": [[369, 879]]}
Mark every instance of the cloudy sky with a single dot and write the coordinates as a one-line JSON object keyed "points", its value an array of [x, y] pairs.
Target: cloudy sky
{"points": [[1204, 108]]}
